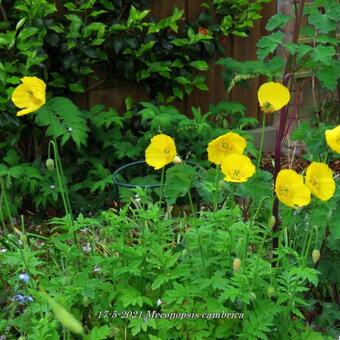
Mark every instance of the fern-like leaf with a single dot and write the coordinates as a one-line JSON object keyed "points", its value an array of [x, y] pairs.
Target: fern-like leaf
{"points": [[63, 119]]}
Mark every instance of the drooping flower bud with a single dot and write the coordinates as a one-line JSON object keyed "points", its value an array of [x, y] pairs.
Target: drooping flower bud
{"points": [[252, 296], [236, 264], [271, 292], [50, 164], [177, 160], [316, 255], [271, 221], [221, 185]]}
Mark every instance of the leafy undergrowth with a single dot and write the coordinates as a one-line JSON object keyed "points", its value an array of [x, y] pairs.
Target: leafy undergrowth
{"points": [[117, 271]]}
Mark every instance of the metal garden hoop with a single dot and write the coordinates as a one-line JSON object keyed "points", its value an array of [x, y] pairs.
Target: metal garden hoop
{"points": [[133, 186]]}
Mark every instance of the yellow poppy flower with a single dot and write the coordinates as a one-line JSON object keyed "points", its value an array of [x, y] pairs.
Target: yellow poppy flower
{"points": [[291, 190], [273, 97], [333, 138], [319, 179], [237, 168], [224, 146], [160, 152], [30, 95]]}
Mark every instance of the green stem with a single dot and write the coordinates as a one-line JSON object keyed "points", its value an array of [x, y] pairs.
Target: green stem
{"points": [[308, 237], [216, 187], [6, 203], [257, 260], [200, 246], [161, 188], [262, 140], [60, 177], [250, 226], [326, 157], [191, 203]]}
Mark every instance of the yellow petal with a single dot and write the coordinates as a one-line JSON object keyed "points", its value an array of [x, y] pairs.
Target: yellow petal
{"points": [[333, 138], [237, 168], [37, 86], [225, 145], [154, 157], [27, 110], [290, 189], [273, 96], [21, 97], [161, 151], [319, 179], [30, 95]]}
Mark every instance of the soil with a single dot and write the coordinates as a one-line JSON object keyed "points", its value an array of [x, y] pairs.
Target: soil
{"points": [[298, 165]]}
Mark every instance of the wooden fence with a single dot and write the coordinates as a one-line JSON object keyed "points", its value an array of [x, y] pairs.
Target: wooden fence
{"points": [[238, 48]]}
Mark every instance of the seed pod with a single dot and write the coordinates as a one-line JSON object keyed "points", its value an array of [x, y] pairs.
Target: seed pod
{"points": [[316, 255], [272, 221], [50, 164], [236, 264], [177, 160], [271, 292]]}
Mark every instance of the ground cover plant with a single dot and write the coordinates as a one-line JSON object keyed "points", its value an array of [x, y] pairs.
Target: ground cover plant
{"points": [[195, 239]]}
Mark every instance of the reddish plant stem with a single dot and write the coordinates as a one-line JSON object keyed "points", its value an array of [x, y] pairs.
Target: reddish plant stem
{"points": [[294, 116], [287, 80]]}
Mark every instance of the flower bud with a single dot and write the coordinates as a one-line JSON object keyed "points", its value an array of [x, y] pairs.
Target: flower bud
{"points": [[177, 160], [50, 164], [86, 301], [271, 292], [252, 296], [316, 255], [271, 221], [23, 239], [236, 264], [221, 184]]}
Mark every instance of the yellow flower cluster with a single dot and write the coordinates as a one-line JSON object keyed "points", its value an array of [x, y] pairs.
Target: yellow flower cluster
{"points": [[291, 189], [295, 191], [227, 151]]}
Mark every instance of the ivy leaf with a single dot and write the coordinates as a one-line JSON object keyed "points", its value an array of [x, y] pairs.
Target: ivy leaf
{"points": [[63, 119], [277, 21], [268, 44], [178, 181]]}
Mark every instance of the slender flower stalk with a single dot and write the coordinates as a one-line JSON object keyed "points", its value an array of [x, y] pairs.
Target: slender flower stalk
{"points": [[262, 141]]}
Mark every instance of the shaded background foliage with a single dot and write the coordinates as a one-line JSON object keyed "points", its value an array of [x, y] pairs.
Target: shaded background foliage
{"points": [[66, 44]]}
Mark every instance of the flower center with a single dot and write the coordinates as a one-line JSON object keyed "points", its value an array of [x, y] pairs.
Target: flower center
{"points": [[285, 191], [226, 146], [236, 174], [34, 99], [315, 183], [267, 107], [166, 150]]}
